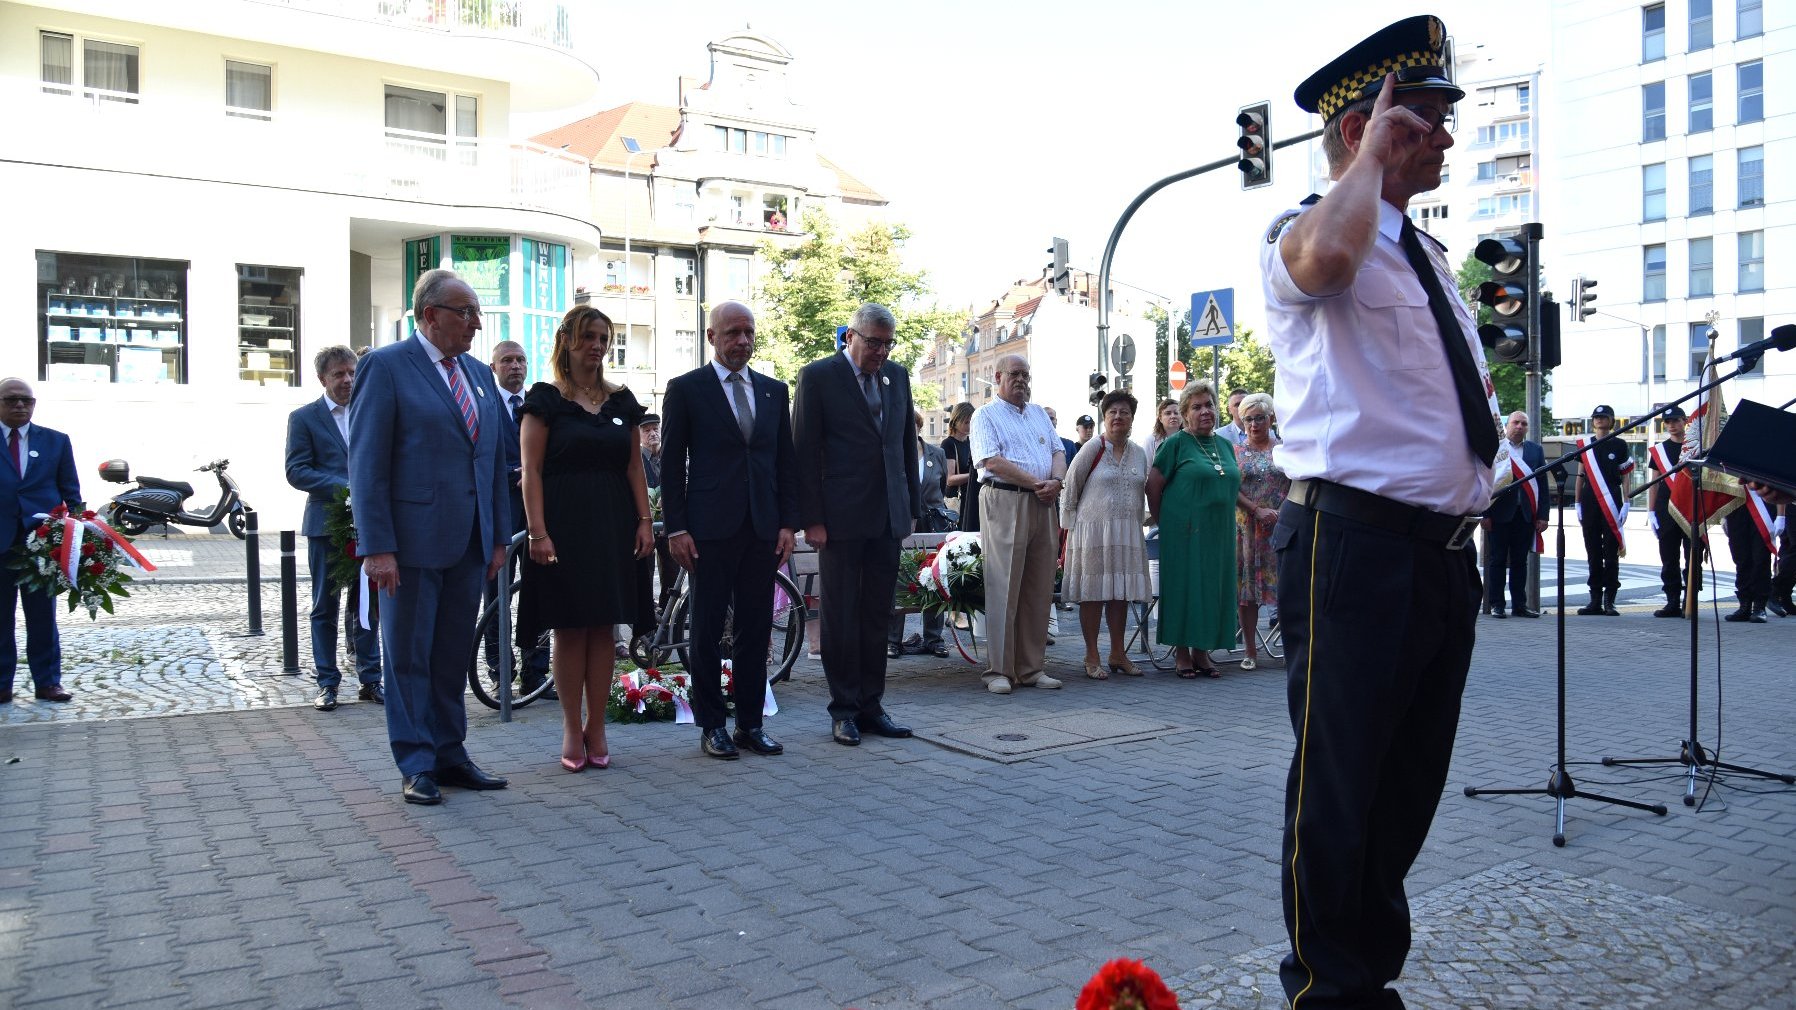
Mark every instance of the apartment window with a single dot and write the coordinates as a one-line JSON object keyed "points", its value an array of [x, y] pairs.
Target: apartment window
{"points": [[108, 70], [1751, 21], [1652, 192], [422, 119], [685, 348], [1502, 133], [619, 352], [774, 215], [1752, 261], [1702, 103], [1487, 171], [1652, 33], [249, 90], [1699, 348], [1702, 184], [684, 282], [736, 278], [1752, 92], [1752, 176], [1652, 104], [1523, 97], [1702, 267], [1702, 24], [1752, 329], [1508, 203], [1659, 353], [1652, 286]]}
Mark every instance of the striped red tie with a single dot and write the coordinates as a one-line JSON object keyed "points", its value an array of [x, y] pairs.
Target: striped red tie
{"points": [[468, 415]]}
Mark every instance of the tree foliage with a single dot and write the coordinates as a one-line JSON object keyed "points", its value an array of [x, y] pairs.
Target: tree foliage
{"points": [[1247, 363], [813, 287]]}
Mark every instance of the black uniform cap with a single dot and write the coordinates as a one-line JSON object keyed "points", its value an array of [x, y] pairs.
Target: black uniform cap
{"points": [[1603, 410], [1676, 413], [1415, 49]]}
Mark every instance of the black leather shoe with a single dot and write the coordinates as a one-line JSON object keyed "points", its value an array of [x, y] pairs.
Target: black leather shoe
{"points": [[373, 693], [422, 790], [5, 697], [326, 700], [716, 743], [846, 733], [939, 651], [1498, 614], [882, 725], [1592, 609], [53, 693], [1758, 615], [1778, 607], [468, 775], [1740, 616], [894, 651], [1525, 612], [757, 740]]}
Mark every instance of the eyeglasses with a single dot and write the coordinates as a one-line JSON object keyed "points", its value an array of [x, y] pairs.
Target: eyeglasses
{"points": [[878, 345], [1256, 419], [468, 313], [1437, 119], [19, 401]]}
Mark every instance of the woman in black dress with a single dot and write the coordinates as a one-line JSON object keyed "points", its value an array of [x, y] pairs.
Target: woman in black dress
{"points": [[586, 506], [963, 483]]}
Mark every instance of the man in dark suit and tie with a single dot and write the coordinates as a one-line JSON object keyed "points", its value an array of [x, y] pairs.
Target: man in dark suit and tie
{"points": [[858, 498], [510, 368], [427, 481], [730, 502], [1514, 519], [318, 464], [38, 475]]}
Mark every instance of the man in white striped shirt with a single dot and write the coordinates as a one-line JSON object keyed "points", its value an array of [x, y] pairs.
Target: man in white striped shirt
{"points": [[1020, 463]]}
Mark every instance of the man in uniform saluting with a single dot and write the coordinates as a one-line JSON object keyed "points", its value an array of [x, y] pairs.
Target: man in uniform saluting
{"points": [[1361, 312]]}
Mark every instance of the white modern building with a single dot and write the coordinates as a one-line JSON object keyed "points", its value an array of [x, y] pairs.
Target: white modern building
{"points": [[1489, 188], [686, 195], [1673, 152], [203, 193]]}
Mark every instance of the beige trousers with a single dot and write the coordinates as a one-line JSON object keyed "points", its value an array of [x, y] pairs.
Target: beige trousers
{"points": [[1020, 537]]}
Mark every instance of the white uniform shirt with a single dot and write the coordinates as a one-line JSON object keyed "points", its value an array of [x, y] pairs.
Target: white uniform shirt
{"points": [[1364, 392], [1022, 435], [339, 413]]}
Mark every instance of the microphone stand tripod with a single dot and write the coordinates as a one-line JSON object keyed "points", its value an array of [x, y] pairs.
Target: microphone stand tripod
{"points": [[1559, 784], [1691, 753]]}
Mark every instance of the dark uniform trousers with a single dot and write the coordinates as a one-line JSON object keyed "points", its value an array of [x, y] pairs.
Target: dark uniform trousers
{"points": [[1674, 549], [1601, 549], [1374, 717], [1752, 559]]}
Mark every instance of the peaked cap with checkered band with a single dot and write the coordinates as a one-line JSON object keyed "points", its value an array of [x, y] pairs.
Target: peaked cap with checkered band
{"points": [[1415, 49]]}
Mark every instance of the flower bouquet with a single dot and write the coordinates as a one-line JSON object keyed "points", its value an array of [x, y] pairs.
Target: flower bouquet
{"points": [[647, 696], [339, 525], [79, 555], [1123, 984], [949, 579]]}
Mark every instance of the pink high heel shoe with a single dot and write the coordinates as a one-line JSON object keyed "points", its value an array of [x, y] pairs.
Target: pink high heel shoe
{"points": [[574, 764], [599, 761]]}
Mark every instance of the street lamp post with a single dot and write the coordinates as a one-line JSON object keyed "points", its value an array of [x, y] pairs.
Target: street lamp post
{"points": [[635, 149]]}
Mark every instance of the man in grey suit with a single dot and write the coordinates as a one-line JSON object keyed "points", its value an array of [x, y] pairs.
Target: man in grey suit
{"points": [[932, 469], [318, 464], [858, 497], [427, 482]]}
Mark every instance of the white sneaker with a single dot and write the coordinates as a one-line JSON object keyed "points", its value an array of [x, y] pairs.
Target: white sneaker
{"points": [[1046, 683], [998, 686]]}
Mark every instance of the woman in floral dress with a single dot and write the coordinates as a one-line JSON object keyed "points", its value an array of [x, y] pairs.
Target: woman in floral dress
{"points": [[1263, 490]]}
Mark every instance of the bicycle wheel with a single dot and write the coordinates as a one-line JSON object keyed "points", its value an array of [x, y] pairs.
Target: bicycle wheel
{"points": [[679, 629], [483, 658], [1157, 654], [788, 627]]}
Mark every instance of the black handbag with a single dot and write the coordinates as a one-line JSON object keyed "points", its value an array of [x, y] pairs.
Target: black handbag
{"points": [[938, 519]]}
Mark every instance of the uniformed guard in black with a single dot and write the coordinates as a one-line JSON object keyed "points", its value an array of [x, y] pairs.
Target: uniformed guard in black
{"points": [[1673, 545], [1602, 550]]}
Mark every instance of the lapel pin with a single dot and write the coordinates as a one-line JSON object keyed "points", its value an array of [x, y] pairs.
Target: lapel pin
{"points": [[480, 390], [617, 420], [32, 454], [885, 380]]}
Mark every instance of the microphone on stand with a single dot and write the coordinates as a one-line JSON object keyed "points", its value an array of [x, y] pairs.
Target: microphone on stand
{"points": [[1781, 339]]}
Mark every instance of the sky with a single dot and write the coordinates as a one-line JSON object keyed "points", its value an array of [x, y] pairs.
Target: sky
{"points": [[994, 127]]}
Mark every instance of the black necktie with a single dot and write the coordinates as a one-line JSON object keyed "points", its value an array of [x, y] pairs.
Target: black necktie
{"points": [[1474, 406]]}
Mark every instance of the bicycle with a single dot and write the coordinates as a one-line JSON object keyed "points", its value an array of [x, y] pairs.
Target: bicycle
{"points": [[483, 670], [672, 634]]}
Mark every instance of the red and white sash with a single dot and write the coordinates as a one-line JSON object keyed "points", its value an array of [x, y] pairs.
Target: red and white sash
{"points": [[1599, 487], [1762, 518], [1532, 493]]}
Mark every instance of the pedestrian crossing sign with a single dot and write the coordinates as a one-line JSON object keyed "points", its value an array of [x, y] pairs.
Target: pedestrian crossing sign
{"points": [[1213, 318]]}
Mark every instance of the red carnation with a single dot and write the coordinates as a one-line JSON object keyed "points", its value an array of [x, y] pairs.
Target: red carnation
{"points": [[43, 529], [87, 550], [633, 696], [97, 568], [1126, 985], [652, 673]]}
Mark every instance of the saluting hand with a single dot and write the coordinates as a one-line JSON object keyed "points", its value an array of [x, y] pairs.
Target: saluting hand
{"points": [[1393, 131]]}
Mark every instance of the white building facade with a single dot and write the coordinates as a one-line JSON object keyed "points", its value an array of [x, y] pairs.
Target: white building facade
{"points": [[204, 193], [1673, 158]]}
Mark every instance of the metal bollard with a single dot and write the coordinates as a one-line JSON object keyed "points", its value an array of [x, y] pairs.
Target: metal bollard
{"points": [[253, 543], [289, 603]]}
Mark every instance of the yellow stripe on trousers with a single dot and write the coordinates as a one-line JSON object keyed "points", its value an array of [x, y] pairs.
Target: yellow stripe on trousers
{"points": [[1303, 749]]}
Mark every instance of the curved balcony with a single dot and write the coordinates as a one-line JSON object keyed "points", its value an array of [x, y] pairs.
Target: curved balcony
{"points": [[535, 20]]}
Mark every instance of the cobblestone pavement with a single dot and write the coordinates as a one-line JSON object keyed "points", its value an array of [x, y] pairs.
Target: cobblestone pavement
{"points": [[258, 855]]}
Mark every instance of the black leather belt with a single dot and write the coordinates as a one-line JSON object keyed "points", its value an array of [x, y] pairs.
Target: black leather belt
{"points": [[1451, 532], [1000, 485]]}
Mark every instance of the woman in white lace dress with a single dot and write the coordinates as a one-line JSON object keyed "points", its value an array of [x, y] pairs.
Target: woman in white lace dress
{"points": [[1102, 509]]}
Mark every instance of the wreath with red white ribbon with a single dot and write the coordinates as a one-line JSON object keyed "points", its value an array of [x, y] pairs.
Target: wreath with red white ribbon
{"points": [[77, 554]]}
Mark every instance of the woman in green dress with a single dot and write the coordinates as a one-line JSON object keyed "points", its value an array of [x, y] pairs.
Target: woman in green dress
{"points": [[1191, 492]]}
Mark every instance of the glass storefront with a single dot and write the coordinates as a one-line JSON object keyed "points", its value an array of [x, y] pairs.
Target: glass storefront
{"points": [[111, 319], [523, 284]]}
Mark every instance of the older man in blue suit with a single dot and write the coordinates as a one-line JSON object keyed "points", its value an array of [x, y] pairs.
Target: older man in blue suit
{"points": [[428, 484], [38, 475], [318, 464]]}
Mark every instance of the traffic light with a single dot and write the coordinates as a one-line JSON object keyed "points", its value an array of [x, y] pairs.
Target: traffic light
{"points": [[1098, 381], [1583, 303], [1255, 143], [1511, 270], [1549, 334], [1059, 276]]}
